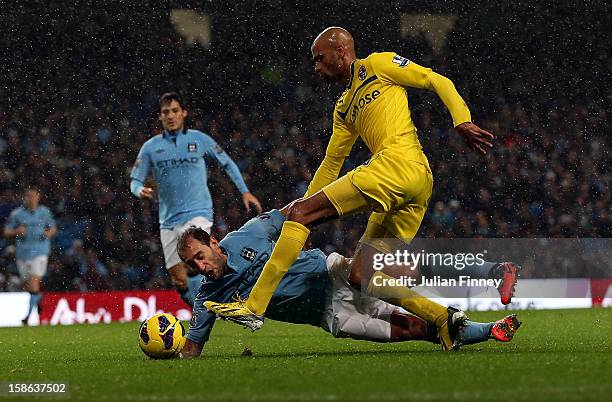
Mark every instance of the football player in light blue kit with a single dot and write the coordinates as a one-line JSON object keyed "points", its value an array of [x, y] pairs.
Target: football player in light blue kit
{"points": [[177, 158], [32, 225], [315, 290]]}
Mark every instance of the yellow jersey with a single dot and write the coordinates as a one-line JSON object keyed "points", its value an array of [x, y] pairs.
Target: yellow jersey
{"points": [[374, 106]]}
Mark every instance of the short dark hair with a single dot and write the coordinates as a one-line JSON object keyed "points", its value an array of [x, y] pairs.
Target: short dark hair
{"points": [[168, 97], [192, 232], [30, 188]]}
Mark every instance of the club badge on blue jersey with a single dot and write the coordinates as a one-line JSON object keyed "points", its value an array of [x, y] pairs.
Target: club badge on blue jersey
{"points": [[248, 254], [192, 147]]}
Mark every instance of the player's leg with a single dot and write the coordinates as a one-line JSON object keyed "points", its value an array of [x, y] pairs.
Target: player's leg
{"points": [[176, 269], [390, 230], [179, 278], [376, 320], [408, 327], [301, 215], [185, 281], [32, 286], [194, 279], [352, 314], [379, 284], [32, 271], [356, 316], [501, 330]]}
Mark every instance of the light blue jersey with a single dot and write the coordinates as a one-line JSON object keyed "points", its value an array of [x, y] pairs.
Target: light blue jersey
{"points": [[178, 164], [300, 297], [33, 243]]}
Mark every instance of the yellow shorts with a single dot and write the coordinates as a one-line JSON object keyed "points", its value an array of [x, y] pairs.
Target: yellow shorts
{"points": [[395, 187]]}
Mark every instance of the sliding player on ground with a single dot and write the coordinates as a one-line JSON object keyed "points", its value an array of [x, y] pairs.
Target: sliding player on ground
{"points": [[315, 291]]}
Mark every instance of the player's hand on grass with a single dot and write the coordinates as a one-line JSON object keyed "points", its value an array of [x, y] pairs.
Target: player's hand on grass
{"points": [[147, 192], [249, 199], [475, 137]]}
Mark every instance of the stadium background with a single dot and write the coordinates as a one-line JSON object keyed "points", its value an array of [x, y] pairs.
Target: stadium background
{"points": [[79, 90]]}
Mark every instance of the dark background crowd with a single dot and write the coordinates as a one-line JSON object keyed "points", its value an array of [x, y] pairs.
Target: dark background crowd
{"points": [[79, 97]]}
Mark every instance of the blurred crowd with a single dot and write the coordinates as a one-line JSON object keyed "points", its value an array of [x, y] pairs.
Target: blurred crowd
{"points": [[548, 175]]}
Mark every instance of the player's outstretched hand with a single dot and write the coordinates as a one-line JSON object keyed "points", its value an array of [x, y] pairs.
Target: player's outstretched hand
{"points": [[475, 137], [146, 192], [248, 199]]}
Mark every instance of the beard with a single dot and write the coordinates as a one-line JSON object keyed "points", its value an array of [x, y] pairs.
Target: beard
{"points": [[328, 79]]}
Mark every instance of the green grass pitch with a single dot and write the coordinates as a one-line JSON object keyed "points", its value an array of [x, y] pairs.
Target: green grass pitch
{"points": [[556, 356]]}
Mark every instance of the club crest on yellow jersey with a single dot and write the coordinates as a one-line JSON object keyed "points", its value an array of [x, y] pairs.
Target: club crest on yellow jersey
{"points": [[362, 73]]}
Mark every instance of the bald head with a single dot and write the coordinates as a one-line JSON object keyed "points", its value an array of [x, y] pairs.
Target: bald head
{"points": [[334, 37], [333, 51]]}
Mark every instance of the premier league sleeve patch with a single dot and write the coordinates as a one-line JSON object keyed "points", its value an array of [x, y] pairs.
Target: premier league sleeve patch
{"points": [[192, 147], [402, 61]]}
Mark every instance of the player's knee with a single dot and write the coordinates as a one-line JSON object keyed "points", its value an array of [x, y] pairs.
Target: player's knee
{"points": [[32, 285], [179, 284], [359, 327], [311, 210], [178, 277], [341, 326]]}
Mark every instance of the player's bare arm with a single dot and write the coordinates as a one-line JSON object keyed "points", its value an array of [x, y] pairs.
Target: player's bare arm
{"points": [[19, 231]]}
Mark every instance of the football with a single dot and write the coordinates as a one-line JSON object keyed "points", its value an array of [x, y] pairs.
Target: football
{"points": [[161, 336]]}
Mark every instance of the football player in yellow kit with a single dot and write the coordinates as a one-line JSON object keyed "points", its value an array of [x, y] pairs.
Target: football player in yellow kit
{"points": [[396, 183]]}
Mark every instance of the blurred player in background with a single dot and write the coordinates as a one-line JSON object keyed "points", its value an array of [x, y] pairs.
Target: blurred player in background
{"points": [[316, 291], [32, 225], [396, 183], [176, 158]]}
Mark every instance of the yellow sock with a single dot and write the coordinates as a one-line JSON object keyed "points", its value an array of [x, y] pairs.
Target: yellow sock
{"points": [[286, 251], [406, 298]]}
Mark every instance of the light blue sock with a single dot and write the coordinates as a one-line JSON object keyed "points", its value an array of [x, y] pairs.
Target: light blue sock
{"points": [[476, 332], [193, 286], [34, 300]]}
